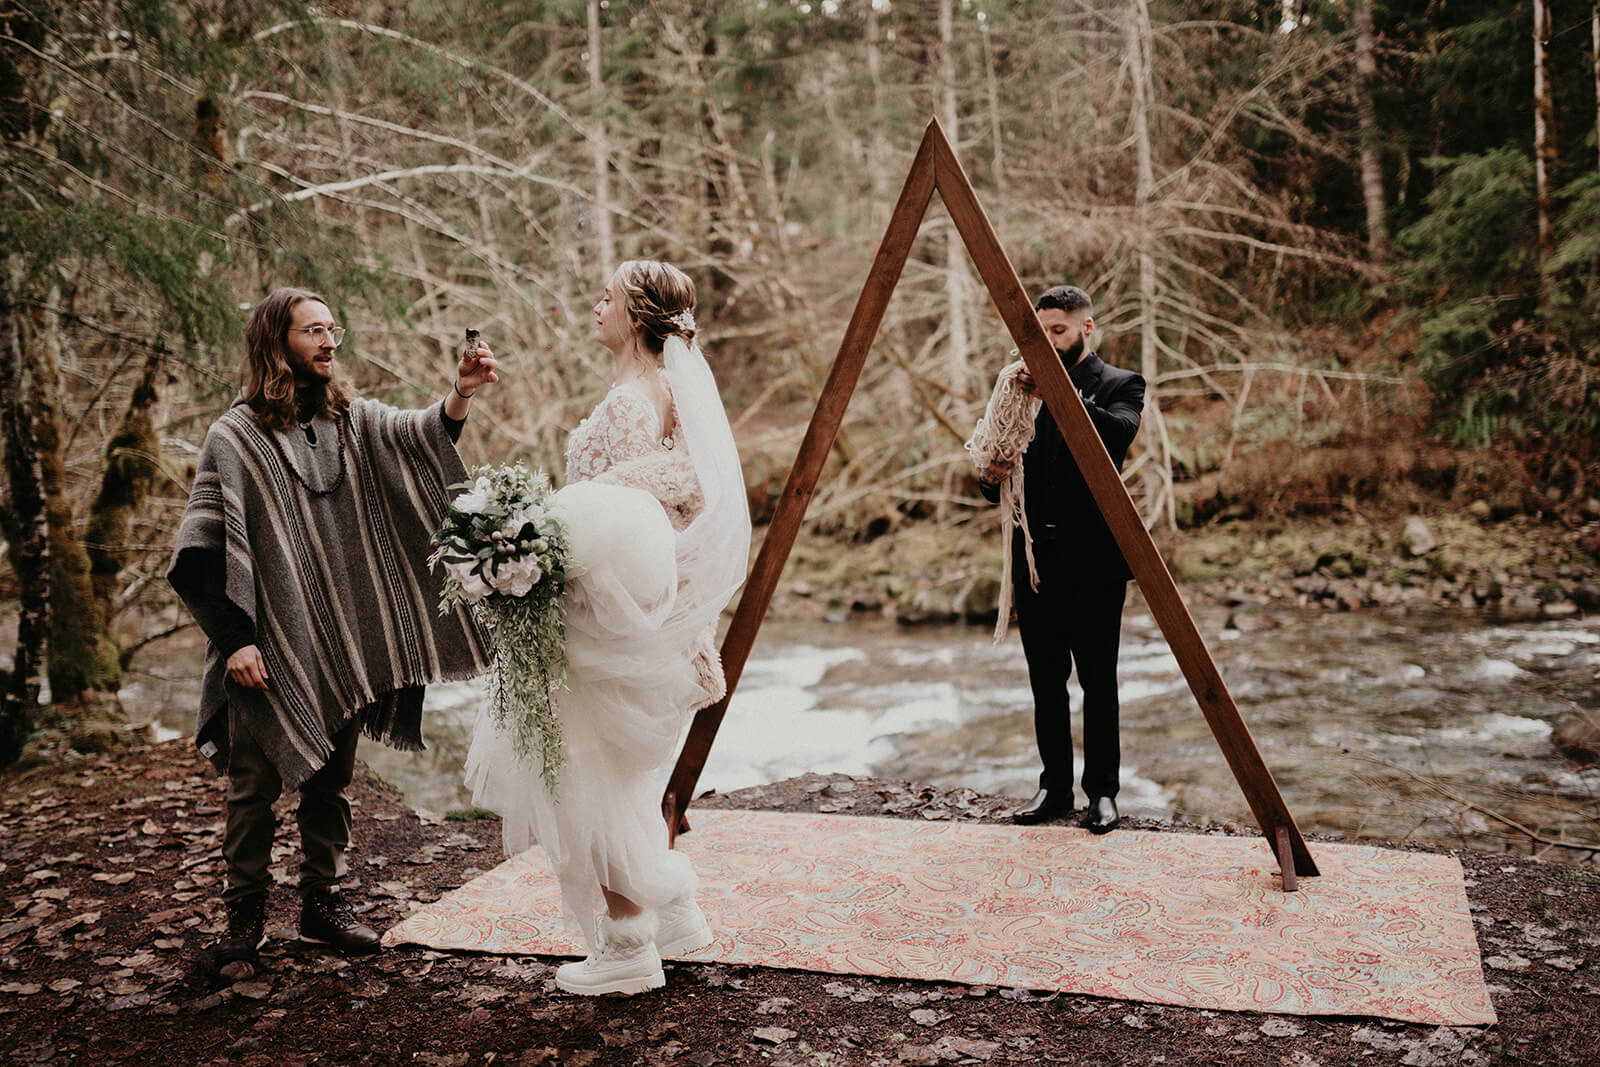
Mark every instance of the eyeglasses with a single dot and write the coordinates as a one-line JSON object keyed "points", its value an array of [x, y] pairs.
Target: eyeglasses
{"points": [[317, 333]]}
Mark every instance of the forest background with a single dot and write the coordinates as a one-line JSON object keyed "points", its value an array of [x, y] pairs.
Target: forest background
{"points": [[1353, 246]]}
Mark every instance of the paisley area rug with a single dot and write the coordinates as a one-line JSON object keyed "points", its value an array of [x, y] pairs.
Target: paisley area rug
{"points": [[1194, 920]]}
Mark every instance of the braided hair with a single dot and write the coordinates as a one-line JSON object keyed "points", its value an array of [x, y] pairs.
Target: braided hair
{"points": [[659, 299]]}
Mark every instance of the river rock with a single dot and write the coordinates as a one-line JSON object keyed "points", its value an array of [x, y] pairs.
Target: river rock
{"points": [[979, 600], [1419, 539], [1587, 596], [1577, 737], [1522, 607], [926, 606], [1559, 609], [1250, 622]]}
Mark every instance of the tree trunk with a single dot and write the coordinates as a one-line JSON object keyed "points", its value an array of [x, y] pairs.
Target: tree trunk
{"points": [[957, 283], [82, 656], [607, 249], [1594, 36], [992, 86], [1371, 160], [1141, 45], [130, 469], [1544, 137], [25, 531]]}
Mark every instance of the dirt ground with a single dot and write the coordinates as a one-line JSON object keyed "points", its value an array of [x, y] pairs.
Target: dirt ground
{"points": [[109, 874]]}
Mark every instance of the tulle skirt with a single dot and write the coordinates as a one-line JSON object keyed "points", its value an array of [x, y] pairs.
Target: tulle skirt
{"points": [[632, 681]]}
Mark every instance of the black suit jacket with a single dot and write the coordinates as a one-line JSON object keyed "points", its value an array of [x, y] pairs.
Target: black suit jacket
{"points": [[1062, 515]]}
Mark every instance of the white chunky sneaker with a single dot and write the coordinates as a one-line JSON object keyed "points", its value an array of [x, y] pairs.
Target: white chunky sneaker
{"points": [[681, 927], [624, 960]]}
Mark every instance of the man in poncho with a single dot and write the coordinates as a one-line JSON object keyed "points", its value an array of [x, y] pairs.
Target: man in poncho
{"points": [[302, 554], [1061, 562]]}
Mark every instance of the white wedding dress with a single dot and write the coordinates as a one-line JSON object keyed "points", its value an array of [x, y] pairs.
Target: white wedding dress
{"points": [[659, 530]]}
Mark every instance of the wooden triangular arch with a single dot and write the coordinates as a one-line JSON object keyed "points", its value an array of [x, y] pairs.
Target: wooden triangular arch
{"points": [[936, 167]]}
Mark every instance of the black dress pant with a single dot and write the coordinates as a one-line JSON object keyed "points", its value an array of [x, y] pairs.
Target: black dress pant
{"points": [[1073, 619]]}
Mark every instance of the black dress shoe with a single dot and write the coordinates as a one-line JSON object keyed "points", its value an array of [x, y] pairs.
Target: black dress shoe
{"points": [[1102, 817], [1046, 804], [325, 919]]}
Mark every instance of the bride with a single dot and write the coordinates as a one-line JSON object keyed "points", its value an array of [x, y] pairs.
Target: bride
{"points": [[659, 529]]}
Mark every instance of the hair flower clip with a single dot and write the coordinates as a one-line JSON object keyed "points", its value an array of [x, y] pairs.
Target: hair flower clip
{"points": [[683, 320]]}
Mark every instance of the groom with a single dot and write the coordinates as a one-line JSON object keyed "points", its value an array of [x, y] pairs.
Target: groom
{"points": [[302, 555], [1072, 617]]}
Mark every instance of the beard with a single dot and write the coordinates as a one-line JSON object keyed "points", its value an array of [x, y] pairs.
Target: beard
{"points": [[1072, 353], [310, 394]]}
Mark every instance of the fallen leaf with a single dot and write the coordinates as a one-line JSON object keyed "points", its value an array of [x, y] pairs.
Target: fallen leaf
{"points": [[62, 985], [113, 879], [1511, 962], [1282, 1028], [952, 1047], [775, 1035], [774, 1006], [929, 1016]]}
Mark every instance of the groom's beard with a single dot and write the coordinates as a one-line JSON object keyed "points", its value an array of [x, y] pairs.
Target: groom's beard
{"points": [[310, 397], [1072, 353]]}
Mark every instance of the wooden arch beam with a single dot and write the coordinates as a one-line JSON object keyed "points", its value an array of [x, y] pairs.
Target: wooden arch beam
{"points": [[935, 167]]}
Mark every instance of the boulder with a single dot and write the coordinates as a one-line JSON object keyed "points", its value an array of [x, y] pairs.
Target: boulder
{"points": [[1419, 539], [1523, 607], [979, 601], [926, 607]]}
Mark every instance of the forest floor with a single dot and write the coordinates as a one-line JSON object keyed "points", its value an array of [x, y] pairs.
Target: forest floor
{"points": [[109, 874]]}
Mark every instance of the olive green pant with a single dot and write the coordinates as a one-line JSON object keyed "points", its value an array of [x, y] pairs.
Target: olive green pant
{"points": [[250, 823]]}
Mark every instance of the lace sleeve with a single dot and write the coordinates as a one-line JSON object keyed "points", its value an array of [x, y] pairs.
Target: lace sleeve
{"points": [[632, 427], [623, 426], [1007, 424]]}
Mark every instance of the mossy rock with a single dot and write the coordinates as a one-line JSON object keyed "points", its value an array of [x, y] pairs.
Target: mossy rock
{"points": [[98, 738], [979, 599]]}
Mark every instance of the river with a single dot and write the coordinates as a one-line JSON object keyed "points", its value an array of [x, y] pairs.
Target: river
{"points": [[1368, 722]]}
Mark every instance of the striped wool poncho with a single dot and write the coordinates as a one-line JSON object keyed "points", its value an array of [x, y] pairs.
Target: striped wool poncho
{"points": [[325, 551]]}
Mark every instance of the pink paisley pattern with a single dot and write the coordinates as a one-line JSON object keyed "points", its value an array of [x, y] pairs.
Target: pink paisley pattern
{"points": [[1200, 921]]}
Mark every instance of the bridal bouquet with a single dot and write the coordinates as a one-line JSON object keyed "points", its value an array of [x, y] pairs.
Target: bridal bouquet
{"points": [[504, 555]]}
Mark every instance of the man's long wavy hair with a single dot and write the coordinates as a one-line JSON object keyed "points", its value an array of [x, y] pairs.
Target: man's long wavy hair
{"points": [[269, 383]]}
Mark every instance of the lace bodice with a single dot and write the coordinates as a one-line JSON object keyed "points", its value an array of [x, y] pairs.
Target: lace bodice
{"points": [[621, 442]]}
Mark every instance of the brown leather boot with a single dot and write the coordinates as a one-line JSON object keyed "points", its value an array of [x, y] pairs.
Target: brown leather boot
{"points": [[326, 919]]}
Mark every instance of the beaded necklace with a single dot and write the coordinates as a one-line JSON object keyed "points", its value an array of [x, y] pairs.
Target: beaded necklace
{"points": [[307, 486]]}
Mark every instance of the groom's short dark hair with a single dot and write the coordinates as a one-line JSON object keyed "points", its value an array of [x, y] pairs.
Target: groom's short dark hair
{"points": [[1067, 298]]}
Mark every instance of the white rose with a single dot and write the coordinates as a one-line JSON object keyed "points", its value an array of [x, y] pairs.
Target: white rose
{"points": [[475, 499]]}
